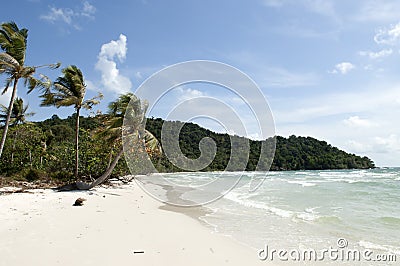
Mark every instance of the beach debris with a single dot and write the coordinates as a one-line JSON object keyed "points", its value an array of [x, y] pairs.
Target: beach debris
{"points": [[11, 190], [138, 252], [79, 202]]}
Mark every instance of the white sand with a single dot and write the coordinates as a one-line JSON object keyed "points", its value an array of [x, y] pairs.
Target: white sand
{"points": [[43, 228]]}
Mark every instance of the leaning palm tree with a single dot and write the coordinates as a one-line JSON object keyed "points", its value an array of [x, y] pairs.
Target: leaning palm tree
{"points": [[18, 116], [129, 107], [13, 42], [70, 89]]}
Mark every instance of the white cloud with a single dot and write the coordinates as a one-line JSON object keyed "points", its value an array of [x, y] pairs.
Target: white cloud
{"points": [[237, 100], [88, 10], [390, 36], [111, 78], [356, 121], [383, 101], [268, 76], [188, 93], [255, 136], [138, 75], [59, 14], [273, 3], [321, 7], [70, 16], [379, 144], [376, 55], [378, 11], [376, 71], [5, 98], [90, 85], [115, 48], [321, 116], [387, 144], [343, 68], [280, 77], [369, 67], [384, 149], [143, 72], [358, 147]]}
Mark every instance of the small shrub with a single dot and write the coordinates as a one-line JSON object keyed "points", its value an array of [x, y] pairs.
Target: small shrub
{"points": [[62, 176], [33, 174]]}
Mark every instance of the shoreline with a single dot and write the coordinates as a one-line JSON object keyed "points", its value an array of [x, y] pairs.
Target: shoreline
{"points": [[43, 228]]}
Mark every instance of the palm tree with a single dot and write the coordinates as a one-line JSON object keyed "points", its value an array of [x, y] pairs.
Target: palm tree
{"points": [[13, 42], [18, 117], [70, 89], [18, 113], [126, 106]]}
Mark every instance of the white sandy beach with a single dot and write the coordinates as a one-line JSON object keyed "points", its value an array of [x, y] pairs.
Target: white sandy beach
{"points": [[43, 228]]}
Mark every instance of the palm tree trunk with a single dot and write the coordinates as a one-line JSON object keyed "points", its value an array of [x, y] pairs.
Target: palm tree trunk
{"points": [[77, 143], [109, 170], [30, 157], [98, 181], [10, 107], [110, 157]]}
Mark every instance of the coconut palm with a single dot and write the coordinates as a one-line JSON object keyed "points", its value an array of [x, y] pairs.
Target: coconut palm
{"points": [[13, 42], [129, 107], [18, 114], [18, 117], [70, 90]]}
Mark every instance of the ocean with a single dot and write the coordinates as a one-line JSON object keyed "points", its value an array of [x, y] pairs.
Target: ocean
{"points": [[306, 209]]}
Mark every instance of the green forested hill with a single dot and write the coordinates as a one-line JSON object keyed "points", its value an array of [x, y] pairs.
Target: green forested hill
{"points": [[47, 147], [293, 153]]}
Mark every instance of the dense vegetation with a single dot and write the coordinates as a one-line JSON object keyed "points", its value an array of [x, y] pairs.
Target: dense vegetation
{"points": [[293, 153], [46, 149], [58, 149]]}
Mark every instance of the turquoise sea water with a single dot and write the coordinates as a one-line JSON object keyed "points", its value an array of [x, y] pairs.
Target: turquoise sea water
{"points": [[310, 209]]}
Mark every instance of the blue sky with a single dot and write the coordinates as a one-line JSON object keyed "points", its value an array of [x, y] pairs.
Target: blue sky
{"points": [[329, 69]]}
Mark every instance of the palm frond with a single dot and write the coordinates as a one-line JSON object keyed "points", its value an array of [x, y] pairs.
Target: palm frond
{"points": [[88, 104], [63, 88], [26, 71], [47, 99], [130, 108], [43, 83], [60, 101], [18, 112], [152, 143], [8, 62], [8, 81], [68, 90], [4, 40], [119, 106], [11, 27], [13, 41], [50, 66], [55, 66]]}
